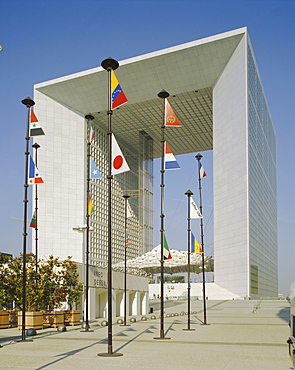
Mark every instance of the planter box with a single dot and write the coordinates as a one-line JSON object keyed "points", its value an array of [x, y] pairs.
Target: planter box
{"points": [[72, 317], [4, 319], [53, 318], [32, 320], [12, 318]]}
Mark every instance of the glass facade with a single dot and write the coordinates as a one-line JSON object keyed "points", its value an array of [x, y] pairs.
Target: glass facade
{"points": [[138, 183], [262, 188]]}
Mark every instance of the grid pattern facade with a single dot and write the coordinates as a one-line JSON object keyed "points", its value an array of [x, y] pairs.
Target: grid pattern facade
{"points": [[146, 191], [262, 188], [138, 183]]}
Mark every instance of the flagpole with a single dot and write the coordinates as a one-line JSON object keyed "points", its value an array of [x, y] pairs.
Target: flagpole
{"points": [[36, 146], [199, 157], [110, 65], [189, 193], [126, 197], [163, 95], [28, 102], [89, 118]]}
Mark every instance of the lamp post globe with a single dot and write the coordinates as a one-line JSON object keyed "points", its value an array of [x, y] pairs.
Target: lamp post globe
{"points": [[28, 102], [163, 94], [110, 63]]}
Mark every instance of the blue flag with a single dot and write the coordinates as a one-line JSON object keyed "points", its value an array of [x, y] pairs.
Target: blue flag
{"points": [[94, 171]]}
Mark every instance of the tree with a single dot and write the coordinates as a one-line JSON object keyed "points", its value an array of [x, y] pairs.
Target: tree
{"points": [[49, 283], [13, 289], [70, 282], [4, 282], [52, 283]]}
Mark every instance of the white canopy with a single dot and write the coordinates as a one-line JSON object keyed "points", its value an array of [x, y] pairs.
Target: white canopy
{"points": [[150, 262]]}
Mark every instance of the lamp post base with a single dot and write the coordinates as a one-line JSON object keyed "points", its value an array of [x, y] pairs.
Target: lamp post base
{"points": [[162, 338], [162, 335], [113, 354]]}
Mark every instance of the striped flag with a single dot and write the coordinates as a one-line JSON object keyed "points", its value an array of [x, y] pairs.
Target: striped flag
{"points": [[33, 221], [127, 240], [195, 246], [91, 133], [90, 204], [166, 249], [35, 128], [34, 176], [170, 161], [202, 171], [118, 96]]}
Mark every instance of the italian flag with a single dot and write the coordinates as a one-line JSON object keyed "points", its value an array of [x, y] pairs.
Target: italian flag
{"points": [[91, 133], [166, 251]]}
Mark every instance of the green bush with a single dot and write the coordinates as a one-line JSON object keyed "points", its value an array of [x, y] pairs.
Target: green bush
{"points": [[48, 283]]}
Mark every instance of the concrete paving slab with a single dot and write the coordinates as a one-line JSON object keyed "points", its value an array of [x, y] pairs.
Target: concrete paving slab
{"points": [[235, 339]]}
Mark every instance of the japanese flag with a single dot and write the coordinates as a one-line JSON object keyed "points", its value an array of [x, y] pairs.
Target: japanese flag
{"points": [[119, 163]]}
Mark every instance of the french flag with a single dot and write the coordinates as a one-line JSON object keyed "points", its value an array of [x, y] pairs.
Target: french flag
{"points": [[202, 171], [170, 161]]}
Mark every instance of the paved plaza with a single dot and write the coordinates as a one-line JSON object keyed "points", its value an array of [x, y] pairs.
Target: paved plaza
{"points": [[239, 337]]}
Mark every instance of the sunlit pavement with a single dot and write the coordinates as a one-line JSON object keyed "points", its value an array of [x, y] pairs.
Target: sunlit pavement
{"points": [[238, 336]]}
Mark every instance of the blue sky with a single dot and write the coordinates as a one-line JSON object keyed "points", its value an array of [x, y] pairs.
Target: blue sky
{"points": [[47, 39]]}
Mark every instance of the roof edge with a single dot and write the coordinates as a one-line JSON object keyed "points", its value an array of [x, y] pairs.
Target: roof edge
{"points": [[146, 56]]}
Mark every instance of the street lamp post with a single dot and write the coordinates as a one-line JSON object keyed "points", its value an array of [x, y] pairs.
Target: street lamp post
{"points": [[163, 95], [83, 229], [189, 193], [89, 118], [126, 197], [110, 65], [28, 102], [36, 146], [198, 158]]}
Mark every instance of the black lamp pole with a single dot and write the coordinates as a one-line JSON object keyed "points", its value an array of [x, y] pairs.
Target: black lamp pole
{"points": [[126, 197], [28, 102], [163, 95], [110, 65], [89, 118], [189, 193], [36, 146], [199, 157]]}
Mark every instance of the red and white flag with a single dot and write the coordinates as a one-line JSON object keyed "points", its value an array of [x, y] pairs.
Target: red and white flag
{"points": [[119, 163]]}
